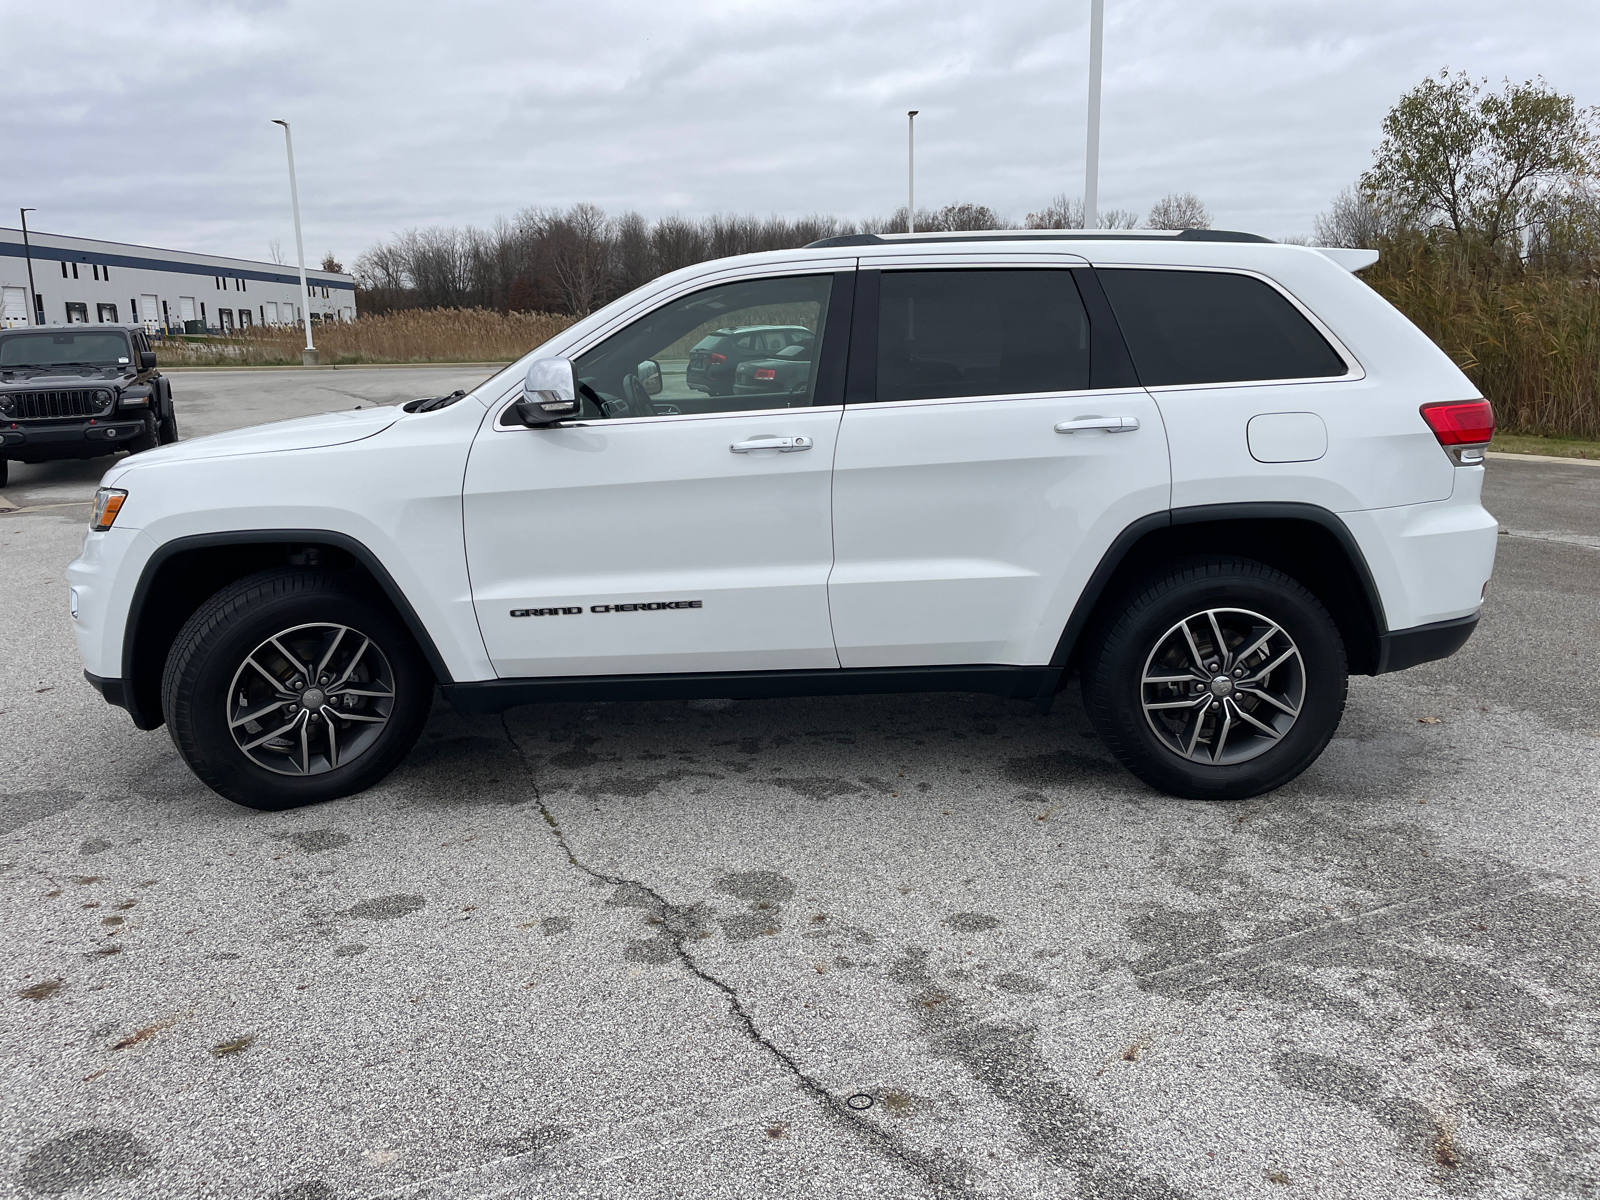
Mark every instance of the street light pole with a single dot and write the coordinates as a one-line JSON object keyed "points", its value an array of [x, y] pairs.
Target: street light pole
{"points": [[309, 357], [27, 249], [1091, 163], [911, 170]]}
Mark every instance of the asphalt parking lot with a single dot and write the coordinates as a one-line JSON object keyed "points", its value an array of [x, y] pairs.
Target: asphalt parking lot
{"points": [[914, 946]]}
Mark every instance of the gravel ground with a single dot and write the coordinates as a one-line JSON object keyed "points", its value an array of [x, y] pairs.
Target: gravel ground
{"points": [[892, 946]]}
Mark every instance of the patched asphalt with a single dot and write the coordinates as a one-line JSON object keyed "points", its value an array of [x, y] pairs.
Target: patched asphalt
{"points": [[892, 946]]}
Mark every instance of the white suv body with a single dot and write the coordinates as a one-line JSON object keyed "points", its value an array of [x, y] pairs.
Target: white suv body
{"points": [[998, 439]]}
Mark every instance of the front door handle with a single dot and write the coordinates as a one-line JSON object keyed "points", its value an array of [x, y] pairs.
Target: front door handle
{"points": [[1109, 424], [784, 445]]}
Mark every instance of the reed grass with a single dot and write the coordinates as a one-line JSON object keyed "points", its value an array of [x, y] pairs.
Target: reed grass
{"points": [[1529, 339], [439, 335]]}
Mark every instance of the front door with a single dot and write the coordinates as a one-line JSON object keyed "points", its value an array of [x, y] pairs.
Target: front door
{"points": [[979, 480], [671, 529]]}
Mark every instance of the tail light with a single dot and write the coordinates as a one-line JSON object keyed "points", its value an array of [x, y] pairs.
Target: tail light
{"points": [[765, 374], [1463, 428], [716, 360]]}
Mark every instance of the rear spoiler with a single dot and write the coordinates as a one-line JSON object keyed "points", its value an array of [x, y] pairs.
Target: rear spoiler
{"points": [[1350, 260]]}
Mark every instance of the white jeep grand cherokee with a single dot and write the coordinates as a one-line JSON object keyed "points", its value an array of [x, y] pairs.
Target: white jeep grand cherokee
{"points": [[1208, 473]]}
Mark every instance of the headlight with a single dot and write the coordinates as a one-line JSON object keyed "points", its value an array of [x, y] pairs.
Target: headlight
{"points": [[107, 504], [102, 397], [8, 405]]}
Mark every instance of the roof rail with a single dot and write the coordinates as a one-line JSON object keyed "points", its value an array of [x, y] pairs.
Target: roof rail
{"points": [[1037, 235]]}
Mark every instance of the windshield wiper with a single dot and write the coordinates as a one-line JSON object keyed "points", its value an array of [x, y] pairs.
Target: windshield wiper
{"points": [[431, 403]]}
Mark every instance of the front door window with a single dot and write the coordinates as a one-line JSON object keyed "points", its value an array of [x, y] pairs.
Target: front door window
{"points": [[737, 347]]}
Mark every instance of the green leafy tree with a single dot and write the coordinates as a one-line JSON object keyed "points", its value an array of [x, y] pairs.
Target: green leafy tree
{"points": [[1482, 164]]}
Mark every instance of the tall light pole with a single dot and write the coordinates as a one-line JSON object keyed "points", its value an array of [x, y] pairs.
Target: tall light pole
{"points": [[1091, 158], [911, 170], [309, 357], [27, 249]]}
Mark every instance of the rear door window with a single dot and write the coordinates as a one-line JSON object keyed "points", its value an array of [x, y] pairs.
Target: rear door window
{"points": [[980, 333], [1188, 327]]}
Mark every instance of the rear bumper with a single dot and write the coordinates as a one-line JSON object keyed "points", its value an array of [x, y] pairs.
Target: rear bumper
{"points": [[68, 439], [1404, 648]]}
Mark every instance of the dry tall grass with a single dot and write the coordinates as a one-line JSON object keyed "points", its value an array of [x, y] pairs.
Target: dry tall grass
{"points": [[1529, 339], [415, 335]]}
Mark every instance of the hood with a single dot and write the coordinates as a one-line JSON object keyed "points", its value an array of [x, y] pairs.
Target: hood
{"points": [[302, 433]]}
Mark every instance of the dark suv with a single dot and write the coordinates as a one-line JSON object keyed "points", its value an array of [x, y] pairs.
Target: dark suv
{"points": [[714, 361], [75, 392]]}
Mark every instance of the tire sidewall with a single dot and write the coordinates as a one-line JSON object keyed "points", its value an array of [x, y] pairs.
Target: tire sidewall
{"points": [[1120, 672], [202, 718]]}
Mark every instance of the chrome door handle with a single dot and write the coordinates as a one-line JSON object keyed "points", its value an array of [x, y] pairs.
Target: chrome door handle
{"points": [[1109, 424], [784, 445]]}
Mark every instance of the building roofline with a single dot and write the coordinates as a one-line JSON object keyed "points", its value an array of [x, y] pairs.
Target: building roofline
{"points": [[185, 255]]}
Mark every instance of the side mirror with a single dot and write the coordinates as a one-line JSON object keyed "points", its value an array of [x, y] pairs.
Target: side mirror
{"points": [[147, 360], [650, 377], [551, 396]]}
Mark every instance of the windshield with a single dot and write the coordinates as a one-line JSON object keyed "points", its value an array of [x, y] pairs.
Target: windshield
{"points": [[60, 349]]}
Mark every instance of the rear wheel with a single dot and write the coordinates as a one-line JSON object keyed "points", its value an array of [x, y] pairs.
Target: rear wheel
{"points": [[289, 688], [5, 471], [1217, 679]]}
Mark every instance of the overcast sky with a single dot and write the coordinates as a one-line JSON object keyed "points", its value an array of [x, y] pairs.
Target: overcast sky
{"points": [[148, 123]]}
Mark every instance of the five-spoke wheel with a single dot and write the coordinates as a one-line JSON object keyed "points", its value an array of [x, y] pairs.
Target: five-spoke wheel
{"points": [[291, 687], [1216, 678]]}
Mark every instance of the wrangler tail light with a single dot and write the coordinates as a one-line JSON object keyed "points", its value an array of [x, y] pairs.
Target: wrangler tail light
{"points": [[1469, 423]]}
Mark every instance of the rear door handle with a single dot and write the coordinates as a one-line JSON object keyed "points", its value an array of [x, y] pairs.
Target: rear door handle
{"points": [[1109, 424], [784, 445]]}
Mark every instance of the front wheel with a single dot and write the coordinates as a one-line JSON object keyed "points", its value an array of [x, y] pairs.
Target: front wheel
{"points": [[289, 688], [1216, 679]]}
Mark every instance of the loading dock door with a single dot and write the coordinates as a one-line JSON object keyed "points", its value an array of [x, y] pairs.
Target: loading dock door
{"points": [[149, 310], [186, 308], [13, 307]]}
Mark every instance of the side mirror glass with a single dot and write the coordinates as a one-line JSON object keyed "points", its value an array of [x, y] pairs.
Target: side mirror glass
{"points": [[147, 360], [650, 377], [550, 397]]}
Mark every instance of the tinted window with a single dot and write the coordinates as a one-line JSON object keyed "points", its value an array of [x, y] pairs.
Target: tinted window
{"points": [[56, 349], [980, 333], [710, 351], [1210, 327]]}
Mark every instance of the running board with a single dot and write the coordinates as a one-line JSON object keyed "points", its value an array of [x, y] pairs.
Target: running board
{"points": [[1037, 684]]}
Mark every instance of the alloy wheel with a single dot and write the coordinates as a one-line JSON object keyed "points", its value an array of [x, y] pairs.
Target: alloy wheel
{"points": [[1223, 686], [310, 698]]}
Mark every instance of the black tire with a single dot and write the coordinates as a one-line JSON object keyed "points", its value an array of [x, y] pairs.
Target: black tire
{"points": [[5, 471], [210, 660], [147, 439], [167, 429], [1174, 745]]}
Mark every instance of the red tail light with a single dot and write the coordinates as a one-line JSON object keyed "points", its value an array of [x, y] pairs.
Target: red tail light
{"points": [[1470, 423], [717, 359], [765, 374]]}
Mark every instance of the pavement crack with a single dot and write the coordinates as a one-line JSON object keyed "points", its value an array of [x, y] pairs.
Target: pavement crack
{"points": [[947, 1176]]}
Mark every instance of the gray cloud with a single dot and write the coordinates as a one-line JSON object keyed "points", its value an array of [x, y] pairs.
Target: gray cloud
{"points": [[151, 124]]}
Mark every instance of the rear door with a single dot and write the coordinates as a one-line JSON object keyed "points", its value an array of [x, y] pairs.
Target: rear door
{"points": [[994, 443], [669, 530]]}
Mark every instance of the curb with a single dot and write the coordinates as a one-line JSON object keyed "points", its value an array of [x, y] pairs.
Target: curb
{"points": [[1507, 456], [341, 367]]}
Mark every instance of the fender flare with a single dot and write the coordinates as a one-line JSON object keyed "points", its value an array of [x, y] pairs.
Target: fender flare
{"points": [[246, 537], [1125, 541]]}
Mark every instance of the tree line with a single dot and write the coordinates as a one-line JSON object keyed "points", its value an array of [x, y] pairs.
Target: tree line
{"points": [[574, 260]]}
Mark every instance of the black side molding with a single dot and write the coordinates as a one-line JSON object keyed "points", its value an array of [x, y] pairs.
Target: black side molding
{"points": [[111, 689], [1016, 683], [1404, 648]]}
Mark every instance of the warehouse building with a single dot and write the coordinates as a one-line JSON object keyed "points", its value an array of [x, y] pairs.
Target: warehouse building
{"points": [[81, 281]]}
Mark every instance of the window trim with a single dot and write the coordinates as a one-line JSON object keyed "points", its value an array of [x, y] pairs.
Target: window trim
{"points": [[1355, 372], [825, 367]]}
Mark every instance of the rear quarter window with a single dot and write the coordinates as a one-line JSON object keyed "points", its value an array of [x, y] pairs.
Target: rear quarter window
{"points": [[1186, 327]]}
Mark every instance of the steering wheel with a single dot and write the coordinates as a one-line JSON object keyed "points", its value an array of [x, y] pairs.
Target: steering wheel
{"points": [[638, 400]]}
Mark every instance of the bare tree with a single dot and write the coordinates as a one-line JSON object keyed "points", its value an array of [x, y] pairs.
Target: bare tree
{"points": [[275, 251], [1179, 210], [580, 254], [1118, 218], [1060, 213], [1360, 221]]}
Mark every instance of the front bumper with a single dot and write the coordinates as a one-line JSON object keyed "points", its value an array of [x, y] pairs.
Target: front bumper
{"points": [[67, 439]]}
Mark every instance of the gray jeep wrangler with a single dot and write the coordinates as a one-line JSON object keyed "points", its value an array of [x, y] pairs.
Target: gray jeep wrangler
{"points": [[79, 391]]}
